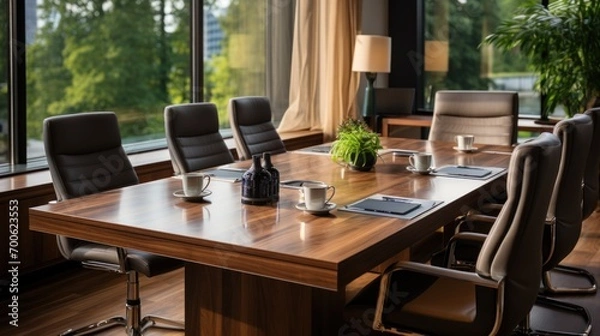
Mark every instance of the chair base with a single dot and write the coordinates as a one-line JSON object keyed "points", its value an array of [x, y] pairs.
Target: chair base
{"points": [[134, 325], [548, 288], [146, 323], [525, 328]]}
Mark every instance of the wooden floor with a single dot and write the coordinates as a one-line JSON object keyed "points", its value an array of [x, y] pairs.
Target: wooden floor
{"points": [[77, 297]]}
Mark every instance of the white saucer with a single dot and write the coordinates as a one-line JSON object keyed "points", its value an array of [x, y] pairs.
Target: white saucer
{"points": [[180, 194], [470, 150], [422, 172], [328, 207]]}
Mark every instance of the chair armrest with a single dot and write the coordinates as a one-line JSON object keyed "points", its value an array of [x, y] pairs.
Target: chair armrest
{"points": [[469, 250], [491, 208], [468, 236], [387, 292], [481, 218], [473, 222], [441, 272]]}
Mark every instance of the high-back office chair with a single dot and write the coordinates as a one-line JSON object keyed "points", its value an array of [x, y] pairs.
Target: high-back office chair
{"points": [[193, 137], [85, 156], [495, 298], [563, 220], [591, 188], [253, 130], [489, 115], [565, 214], [393, 102], [567, 203]]}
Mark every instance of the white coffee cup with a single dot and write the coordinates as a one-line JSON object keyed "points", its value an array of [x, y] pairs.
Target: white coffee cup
{"points": [[195, 183], [421, 162], [301, 189], [465, 142], [315, 195]]}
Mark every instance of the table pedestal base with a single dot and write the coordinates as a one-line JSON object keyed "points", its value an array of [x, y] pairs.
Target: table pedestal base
{"points": [[223, 302]]}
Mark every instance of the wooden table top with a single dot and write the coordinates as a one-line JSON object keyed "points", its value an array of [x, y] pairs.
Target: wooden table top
{"points": [[278, 241]]}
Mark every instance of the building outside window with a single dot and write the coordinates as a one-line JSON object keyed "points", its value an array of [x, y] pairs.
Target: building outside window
{"points": [[455, 59]]}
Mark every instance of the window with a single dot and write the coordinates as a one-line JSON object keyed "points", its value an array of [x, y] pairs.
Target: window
{"points": [[4, 81], [456, 60], [135, 57], [129, 57], [247, 52]]}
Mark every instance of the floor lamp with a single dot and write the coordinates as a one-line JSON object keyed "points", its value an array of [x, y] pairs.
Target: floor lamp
{"points": [[372, 54]]}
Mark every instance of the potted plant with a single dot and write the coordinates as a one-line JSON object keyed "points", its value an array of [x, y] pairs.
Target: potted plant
{"points": [[356, 145], [561, 43]]}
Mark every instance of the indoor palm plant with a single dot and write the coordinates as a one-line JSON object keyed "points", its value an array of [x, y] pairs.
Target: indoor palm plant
{"points": [[356, 145], [562, 44]]}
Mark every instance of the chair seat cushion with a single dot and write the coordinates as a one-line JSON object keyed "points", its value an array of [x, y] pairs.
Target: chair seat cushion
{"points": [[141, 262], [446, 306], [151, 264]]}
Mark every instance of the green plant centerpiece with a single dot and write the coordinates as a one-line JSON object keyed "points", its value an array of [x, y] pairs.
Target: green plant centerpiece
{"points": [[356, 145], [562, 44]]}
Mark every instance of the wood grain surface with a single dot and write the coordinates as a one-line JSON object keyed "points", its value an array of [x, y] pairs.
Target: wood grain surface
{"points": [[259, 244]]}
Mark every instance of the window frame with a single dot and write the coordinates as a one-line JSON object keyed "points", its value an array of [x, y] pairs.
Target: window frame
{"points": [[17, 160]]}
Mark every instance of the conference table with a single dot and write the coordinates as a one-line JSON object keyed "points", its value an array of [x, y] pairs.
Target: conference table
{"points": [[277, 270]]}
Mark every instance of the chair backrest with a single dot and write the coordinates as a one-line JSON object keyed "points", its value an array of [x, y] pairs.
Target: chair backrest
{"points": [[193, 137], [394, 101], [253, 129], [566, 204], [489, 115], [513, 248], [592, 167], [85, 156]]}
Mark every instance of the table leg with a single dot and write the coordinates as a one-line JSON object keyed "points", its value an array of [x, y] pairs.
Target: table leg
{"points": [[223, 302]]}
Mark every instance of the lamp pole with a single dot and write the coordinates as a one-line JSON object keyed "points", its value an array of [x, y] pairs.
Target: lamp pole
{"points": [[368, 109]]}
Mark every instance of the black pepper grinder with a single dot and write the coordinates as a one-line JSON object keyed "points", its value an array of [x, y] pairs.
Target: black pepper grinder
{"points": [[274, 176], [256, 183]]}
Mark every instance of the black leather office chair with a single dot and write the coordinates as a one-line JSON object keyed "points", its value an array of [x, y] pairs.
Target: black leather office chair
{"points": [[85, 156], [393, 102], [493, 300], [193, 137], [489, 115], [253, 130]]}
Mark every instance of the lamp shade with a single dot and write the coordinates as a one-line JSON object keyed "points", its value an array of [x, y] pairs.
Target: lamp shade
{"points": [[436, 56], [372, 53]]}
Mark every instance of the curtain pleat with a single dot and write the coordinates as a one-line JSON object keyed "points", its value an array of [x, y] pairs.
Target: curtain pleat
{"points": [[323, 87]]}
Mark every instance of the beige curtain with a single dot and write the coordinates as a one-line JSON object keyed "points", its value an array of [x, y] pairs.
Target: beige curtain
{"points": [[323, 87]]}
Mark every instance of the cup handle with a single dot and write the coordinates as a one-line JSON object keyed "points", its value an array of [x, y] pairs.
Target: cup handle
{"points": [[207, 177], [332, 193], [411, 160]]}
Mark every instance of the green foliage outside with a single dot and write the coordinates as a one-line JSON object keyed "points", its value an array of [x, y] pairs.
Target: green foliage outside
{"points": [[101, 55], [133, 57], [240, 68], [562, 43], [464, 24]]}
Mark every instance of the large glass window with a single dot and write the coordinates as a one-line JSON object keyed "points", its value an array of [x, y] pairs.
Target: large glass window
{"points": [[4, 81], [134, 58], [247, 52], [126, 56], [456, 60]]}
